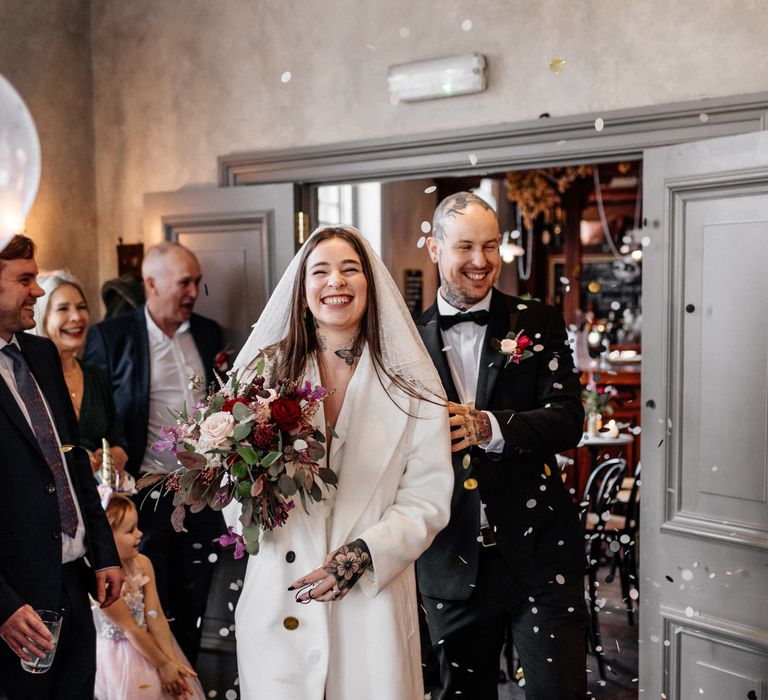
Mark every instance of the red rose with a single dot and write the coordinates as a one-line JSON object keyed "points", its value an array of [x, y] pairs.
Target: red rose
{"points": [[286, 413], [228, 405], [523, 342]]}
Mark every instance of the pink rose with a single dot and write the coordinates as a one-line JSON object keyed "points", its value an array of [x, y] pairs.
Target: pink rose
{"points": [[217, 429]]}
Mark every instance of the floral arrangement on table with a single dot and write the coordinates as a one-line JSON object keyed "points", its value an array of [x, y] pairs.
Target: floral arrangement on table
{"points": [[514, 346], [248, 441], [597, 399]]}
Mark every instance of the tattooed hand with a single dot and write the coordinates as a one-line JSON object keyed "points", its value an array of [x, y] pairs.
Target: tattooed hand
{"points": [[335, 578], [468, 426]]}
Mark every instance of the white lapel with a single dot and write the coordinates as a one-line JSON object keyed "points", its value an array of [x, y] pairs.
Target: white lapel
{"points": [[370, 428]]}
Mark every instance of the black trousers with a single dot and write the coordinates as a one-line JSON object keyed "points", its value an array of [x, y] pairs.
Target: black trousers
{"points": [[73, 673], [182, 563], [549, 627]]}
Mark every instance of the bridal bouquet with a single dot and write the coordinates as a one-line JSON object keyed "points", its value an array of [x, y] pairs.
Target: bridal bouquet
{"points": [[251, 442]]}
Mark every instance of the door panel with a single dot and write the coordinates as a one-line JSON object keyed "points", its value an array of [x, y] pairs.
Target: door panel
{"points": [[704, 516]]}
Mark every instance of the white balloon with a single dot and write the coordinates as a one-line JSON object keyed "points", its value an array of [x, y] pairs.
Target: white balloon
{"points": [[19, 162]]}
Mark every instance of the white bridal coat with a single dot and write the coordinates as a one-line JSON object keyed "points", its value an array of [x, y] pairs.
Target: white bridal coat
{"points": [[394, 492]]}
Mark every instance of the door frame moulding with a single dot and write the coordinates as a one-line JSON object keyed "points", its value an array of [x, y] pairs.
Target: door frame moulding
{"points": [[541, 142]]}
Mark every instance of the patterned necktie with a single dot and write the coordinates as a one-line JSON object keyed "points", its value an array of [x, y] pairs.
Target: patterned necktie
{"points": [[46, 438], [479, 317]]}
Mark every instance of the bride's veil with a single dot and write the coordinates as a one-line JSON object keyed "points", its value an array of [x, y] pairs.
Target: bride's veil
{"points": [[403, 352]]}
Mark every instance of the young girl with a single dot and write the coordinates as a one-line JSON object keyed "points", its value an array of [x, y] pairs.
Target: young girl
{"points": [[136, 654]]}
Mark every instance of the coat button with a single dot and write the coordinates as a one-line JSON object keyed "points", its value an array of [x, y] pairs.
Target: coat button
{"points": [[51, 488], [470, 484], [290, 623], [290, 557]]}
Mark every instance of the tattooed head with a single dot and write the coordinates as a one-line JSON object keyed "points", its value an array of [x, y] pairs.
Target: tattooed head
{"points": [[452, 206]]}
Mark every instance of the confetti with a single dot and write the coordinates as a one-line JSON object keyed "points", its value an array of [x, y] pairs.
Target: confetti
{"points": [[686, 575], [599, 124], [430, 189], [439, 606], [231, 695], [152, 613], [560, 579], [404, 32], [420, 243], [556, 65], [689, 611], [197, 545], [531, 503], [522, 306], [557, 385], [426, 227], [472, 159], [224, 632], [213, 557], [645, 241], [538, 347], [564, 280], [286, 77], [553, 364], [466, 25], [703, 117]]}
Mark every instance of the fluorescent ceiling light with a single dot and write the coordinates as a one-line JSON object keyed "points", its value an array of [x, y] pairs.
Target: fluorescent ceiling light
{"points": [[440, 77]]}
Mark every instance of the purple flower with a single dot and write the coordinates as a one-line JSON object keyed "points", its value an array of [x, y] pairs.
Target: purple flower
{"points": [[167, 442], [232, 538]]}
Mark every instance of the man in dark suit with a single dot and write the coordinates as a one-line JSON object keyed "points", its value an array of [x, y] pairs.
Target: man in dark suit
{"points": [[511, 554], [149, 356], [56, 545]]}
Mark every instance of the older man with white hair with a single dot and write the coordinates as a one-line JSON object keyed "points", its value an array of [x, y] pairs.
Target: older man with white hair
{"points": [[149, 356]]}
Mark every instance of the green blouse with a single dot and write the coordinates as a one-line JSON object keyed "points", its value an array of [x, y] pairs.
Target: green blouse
{"points": [[98, 415]]}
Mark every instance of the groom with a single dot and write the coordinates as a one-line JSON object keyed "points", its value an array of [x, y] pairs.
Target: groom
{"points": [[512, 553]]}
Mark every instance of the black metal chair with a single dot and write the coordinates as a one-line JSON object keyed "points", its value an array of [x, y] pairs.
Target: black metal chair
{"points": [[597, 503]]}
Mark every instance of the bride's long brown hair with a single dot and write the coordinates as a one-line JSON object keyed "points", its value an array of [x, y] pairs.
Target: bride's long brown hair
{"points": [[291, 352]]}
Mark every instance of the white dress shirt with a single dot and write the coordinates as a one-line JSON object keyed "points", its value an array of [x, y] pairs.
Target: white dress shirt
{"points": [[72, 548], [463, 344], [172, 361]]}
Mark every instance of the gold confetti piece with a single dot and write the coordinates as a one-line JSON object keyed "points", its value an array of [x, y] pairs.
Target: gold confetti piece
{"points": [[547, 470], [290, 623], [144, 686], [594, 287], [66, 448], [470, 484], [466, 461], [556, 65]]}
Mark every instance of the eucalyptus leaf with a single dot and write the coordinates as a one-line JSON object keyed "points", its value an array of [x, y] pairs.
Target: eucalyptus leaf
{"points": [[216, 403], [248, 454], [318, 435], [239, 470], [243, 489], [287, 485], [328, 476], [177, 518], [240, 411], [242, 430], [270, 458]]}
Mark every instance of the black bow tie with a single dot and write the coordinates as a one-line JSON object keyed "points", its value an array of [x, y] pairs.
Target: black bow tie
{"points": [[478, 317]]}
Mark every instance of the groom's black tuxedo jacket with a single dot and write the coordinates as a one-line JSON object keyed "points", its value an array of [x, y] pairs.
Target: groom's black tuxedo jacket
{"points": [[120, 347], [30, 525], [537, 404]]}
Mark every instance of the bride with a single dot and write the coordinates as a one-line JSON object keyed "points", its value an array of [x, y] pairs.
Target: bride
{"points": [[328, 607]]}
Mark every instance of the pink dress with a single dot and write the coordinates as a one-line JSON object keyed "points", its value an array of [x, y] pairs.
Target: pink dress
{"points": [[122, 673]]}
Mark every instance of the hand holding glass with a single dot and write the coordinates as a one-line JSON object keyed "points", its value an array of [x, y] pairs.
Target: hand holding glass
{"points": [[52, 621]]}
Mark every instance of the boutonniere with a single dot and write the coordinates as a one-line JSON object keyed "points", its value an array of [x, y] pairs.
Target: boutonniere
{"points": [[222, 361], [514, 346]]}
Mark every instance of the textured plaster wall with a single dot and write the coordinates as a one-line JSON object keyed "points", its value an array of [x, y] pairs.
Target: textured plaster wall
{"points": [[176, 83], [45, 53], [179, 82]]}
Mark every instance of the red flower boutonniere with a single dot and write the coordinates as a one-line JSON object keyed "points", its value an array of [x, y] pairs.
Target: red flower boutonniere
{"points": [[514, 346], [222, 361]]}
